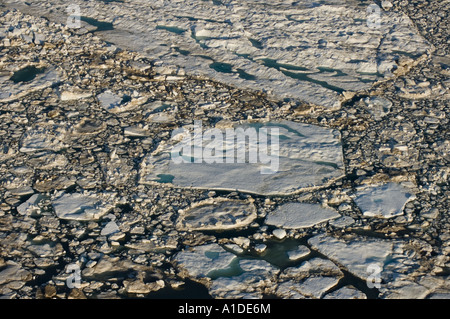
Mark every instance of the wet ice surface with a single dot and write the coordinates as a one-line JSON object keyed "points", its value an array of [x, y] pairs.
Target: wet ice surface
{"points": [[82, 206], [202, 261], [43, 137], [88, 128]]}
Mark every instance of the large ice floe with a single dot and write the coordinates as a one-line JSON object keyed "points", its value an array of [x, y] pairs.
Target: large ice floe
{"points": [[312, 51], [300, 215], [296, 157]]}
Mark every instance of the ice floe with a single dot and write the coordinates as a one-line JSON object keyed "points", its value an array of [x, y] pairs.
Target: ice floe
{"points": [[110, 228], [202, 261], [47, 250], [13, 272], [300, 215], [90, 126], [311, 52], [110, 265], [355, 255], [279, 233], [217, 214], [298, 253], [379, 107], [342, 222], [385, 201], [389, 263], [312, 279], [314, 266], [74, 95], [257, 278], [44, 136], [114, 103], [26, 79], [306, 156], [109, 100], [83, 207], [347, 292], [48, 160], [31, 206]]}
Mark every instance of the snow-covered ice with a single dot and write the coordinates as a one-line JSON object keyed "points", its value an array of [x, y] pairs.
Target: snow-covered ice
{"points": [[257, 275], [300, 215], [217, 214], [385, 200], [31, 205], [78, 206], [371, 258], [347, 292], [42, 137], [298, 253], [110, 228], [31, 78], [312, 279]]}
